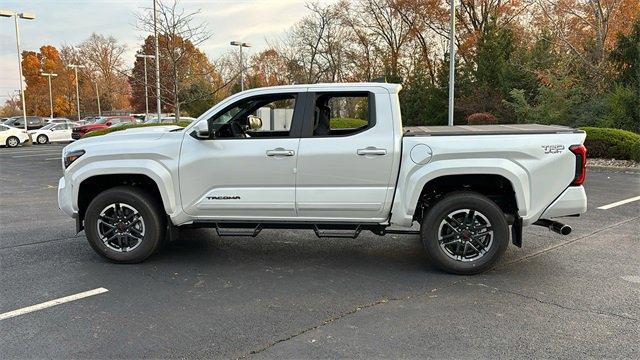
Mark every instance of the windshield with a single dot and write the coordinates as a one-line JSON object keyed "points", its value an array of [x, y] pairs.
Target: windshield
{"points": [[48, 126], [100, 121]]}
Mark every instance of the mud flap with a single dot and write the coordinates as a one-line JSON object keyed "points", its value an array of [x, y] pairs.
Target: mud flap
{"points": [[516, 232], [79, 225]]}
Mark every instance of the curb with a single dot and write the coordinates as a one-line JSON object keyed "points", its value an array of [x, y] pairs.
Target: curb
{"points": [[597, 168]]}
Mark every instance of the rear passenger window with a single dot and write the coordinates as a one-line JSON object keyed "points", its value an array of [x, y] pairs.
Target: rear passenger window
{"points": [[343, 114]]}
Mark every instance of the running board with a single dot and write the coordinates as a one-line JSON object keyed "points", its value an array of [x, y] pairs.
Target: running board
{"points": [[337, 233], [321, 230], [229, 231]]}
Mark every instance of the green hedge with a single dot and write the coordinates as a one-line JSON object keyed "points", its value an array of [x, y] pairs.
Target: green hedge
{"points": [[119, 128], [612, 143], [347, 123]]}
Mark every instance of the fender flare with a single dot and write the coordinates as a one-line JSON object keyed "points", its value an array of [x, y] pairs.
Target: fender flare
{"points": [[152, 169], [418, 177]]}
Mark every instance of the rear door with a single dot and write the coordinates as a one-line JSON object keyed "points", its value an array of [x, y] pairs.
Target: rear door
{"points": [[61, 132], [345, 159]]}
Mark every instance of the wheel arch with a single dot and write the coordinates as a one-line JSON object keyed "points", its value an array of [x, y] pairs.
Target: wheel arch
{"points": [[151, 176], [419, 179], [495, 187]]}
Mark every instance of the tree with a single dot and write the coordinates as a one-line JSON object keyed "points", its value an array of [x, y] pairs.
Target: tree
{"points": [[12, 106], [193, 82], [103, 58], [391, 33], [178, 37], [47, 60]]}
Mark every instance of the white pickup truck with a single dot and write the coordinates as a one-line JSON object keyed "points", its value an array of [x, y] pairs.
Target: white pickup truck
{"points": [[333, 158]]}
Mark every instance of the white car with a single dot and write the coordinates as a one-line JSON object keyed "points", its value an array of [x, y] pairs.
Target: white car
{"points": [[12, 137], [57, 120], [52, 132]]}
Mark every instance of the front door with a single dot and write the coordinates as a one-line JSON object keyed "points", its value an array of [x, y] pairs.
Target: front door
{"points": [[346, 159], [244, 171]]}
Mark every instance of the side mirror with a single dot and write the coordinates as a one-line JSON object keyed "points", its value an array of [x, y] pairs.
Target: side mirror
{"points": [[51, 129], [202, 134], [255, 122], [108, 123]]}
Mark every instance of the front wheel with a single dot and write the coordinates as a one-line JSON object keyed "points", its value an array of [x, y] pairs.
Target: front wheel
{"points": [[12, 142], [124, 224], [42, 139], [465, 233]]}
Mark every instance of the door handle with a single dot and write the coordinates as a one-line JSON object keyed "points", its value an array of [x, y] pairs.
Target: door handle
{"points": [[280, 152], [371, 150]]}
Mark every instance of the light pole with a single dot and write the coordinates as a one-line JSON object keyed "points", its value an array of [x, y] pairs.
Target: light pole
{"points": [[241, 45], [75, 68], [98, 97], [146, 92], [157, 56], [49, 75], [26, 16], [452, 59]]}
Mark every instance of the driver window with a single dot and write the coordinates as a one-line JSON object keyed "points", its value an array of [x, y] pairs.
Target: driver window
{"points": [[263, 116]]}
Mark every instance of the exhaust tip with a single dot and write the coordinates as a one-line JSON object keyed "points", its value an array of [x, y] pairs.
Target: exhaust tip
{"points": [[565, 230]]}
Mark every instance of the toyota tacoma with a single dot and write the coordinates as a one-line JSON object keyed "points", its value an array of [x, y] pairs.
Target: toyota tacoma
{"points": [[332, 158]]}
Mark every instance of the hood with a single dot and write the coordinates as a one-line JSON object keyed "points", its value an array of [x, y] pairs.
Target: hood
{"points": [[135, 135]]}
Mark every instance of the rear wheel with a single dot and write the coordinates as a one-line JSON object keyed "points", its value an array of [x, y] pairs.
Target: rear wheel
{"points": [[42, 139], [12, 142], [124, 224], [465, 233]]}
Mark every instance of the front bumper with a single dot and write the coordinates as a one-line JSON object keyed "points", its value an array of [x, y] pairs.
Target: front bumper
{"points": [[573, 201], [65, 199]]}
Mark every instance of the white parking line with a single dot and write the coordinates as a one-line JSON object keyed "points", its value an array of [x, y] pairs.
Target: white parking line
{"points": [[618, 203], [56, 158], [51, 303]]}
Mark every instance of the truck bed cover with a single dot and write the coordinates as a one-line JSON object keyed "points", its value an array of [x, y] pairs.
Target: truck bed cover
{"points": [[511, 129]]}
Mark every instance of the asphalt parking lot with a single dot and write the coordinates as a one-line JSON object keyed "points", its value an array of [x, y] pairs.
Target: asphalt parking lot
{"points": [[287, 294]]}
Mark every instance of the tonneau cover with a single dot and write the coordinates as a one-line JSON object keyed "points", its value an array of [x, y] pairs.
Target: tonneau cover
{"points": [[486, 130]]}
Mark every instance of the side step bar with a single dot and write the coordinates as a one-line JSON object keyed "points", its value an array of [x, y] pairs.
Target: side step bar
{"points": [[321, 230]]}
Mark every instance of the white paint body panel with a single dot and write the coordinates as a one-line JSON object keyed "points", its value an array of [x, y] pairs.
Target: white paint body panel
{"points": [[325, 179]]}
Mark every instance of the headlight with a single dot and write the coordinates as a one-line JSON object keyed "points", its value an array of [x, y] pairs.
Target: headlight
{"points": [[72, 156]]}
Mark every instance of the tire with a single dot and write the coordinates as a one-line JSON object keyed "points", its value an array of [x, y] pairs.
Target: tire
{"points": [[42, 139], [12, 142], [456, 246], [143, 235]]}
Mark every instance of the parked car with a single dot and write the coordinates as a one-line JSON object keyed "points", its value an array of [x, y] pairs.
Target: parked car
{"points": [[12, 137], [101, 123], [58, 120], [33, 122], [53, 132], [309, 168]]}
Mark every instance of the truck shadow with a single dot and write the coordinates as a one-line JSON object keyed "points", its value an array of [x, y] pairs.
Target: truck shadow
{"points": [[299, 248]]}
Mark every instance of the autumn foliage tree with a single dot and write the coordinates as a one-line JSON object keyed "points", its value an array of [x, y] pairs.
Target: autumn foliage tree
{"points": [[191, 83], [47, 60]]}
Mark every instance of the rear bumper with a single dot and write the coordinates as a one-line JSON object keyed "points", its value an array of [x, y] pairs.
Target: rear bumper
{"points": [[573, 201]]}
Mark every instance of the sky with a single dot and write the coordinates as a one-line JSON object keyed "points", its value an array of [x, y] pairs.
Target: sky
{"points": [[71, 21]]}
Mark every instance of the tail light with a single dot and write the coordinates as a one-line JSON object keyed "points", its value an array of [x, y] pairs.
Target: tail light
{"points": [[581, 164]]}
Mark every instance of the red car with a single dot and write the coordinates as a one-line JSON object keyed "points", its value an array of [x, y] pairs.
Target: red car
{"points": [[101, 123]]}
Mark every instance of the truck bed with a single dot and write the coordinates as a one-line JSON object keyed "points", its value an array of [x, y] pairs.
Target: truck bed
{"points": [[510, 129]]}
